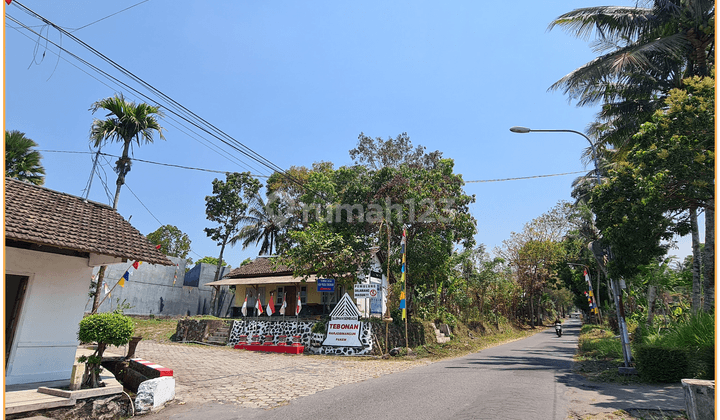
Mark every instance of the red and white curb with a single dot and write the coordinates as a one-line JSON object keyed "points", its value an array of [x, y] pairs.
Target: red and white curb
{"points": [[163, 371]]}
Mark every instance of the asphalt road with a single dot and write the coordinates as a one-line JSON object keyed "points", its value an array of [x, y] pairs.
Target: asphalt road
{"points": [[524, 379]]}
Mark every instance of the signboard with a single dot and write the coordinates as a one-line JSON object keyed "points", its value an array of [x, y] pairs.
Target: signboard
{"points": [[343, 333], [344, 327], [376, 275], [325, 285], [366, 291]]}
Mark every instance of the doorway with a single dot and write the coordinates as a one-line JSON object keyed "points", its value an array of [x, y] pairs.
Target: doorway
{"points": [[15, 287]]}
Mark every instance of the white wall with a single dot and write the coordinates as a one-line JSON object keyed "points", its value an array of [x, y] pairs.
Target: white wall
{"points": [[46, 337]]}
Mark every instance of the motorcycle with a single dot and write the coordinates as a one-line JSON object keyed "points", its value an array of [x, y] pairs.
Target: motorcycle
{"points": [[558, 330]]}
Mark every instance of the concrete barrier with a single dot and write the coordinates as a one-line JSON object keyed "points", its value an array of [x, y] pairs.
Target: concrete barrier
{"points": [[699, 399], [154, 393]]}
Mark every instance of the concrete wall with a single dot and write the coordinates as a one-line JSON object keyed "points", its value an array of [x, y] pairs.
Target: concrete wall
{"points": [[150, 289], [46, 338]]}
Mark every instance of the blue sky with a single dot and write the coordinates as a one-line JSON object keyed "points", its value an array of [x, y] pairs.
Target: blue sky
{"points": [[297, 82]]}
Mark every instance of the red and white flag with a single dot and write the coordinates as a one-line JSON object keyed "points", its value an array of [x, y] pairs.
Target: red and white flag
{"points": [[271, 305], [244, 307], [258, 306], [284, 305], [299, 305]]}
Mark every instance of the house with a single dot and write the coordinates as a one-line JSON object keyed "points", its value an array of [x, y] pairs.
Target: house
{"points": [[264, 279], [52, 242]]}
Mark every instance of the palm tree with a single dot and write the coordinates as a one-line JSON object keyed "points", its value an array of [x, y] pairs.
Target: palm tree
{"points": [[20, 161], [264, 224], [646, 52], [127, 121]]}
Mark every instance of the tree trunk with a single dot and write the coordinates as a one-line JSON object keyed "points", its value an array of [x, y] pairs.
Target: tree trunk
{"points": [[121, 173], [532, 313], [652, 294], [709, 260], [216, 290], [696, 264], [98, 289]]}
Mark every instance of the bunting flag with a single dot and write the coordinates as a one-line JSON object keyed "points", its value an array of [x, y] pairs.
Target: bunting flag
{"points": [[124, 277], [107, 290], [270, 306], [159, 246], [258, 306], [402, 286], [244, 307], [298, 306], [284, 305]]}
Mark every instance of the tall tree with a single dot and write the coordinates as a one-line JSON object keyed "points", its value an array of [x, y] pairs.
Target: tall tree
{"points": [[264, 224], [645, 52], [667, 176], [391, 153], [21, 162], [173, 242], [126, 122], [227, 207]]}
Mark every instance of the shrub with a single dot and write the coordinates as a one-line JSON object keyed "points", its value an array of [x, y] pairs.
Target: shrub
{"points": [[104, 329], [661, 364]]}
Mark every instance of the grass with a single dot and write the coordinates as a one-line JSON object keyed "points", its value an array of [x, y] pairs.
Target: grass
{"points": [[635, 415], [160, 330], [599, 356]]}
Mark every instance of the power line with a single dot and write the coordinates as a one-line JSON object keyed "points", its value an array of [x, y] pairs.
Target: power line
{"points": [[219, 134], [92, 23], [525, 177]]}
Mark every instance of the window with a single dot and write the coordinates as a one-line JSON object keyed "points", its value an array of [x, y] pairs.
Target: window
{"points": [[303, 294], [279, 295]]}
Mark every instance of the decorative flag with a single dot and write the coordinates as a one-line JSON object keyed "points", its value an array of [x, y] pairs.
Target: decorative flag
{"points": [[402, 286], [284, 305], [107, 290], [258, 306], [124, 277], [270, 306], [136, 264], [177, 266], [244, 307], [8, 2], [298, 306], [159, 246]]}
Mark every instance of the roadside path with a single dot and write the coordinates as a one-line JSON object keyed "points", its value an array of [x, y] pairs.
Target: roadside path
{"points": [[206, 374]]}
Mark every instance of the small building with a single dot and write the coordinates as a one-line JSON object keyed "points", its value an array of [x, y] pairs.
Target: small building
{"points": [[52, 242], [261, 278]]}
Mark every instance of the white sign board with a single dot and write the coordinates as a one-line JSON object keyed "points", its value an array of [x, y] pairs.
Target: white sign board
{"points": [[343, 333], [366, 291]]}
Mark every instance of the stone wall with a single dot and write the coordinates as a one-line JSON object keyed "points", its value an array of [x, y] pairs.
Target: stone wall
{"points": [[197, 329], [165, 290]]}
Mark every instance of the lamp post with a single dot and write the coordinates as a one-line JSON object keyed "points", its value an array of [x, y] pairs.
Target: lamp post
{"points": [[615, 287]]}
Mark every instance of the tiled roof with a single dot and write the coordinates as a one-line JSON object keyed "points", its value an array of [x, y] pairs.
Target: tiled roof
{"points": [[42, 216], [261, 266]]}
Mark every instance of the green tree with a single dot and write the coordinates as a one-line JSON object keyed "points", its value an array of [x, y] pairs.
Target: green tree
{"points": [[227, 207], [114, 329], [21, 162], [667, 175], [211, 260], [126, 122], [391, 153], [173, 242], [265, 223]]}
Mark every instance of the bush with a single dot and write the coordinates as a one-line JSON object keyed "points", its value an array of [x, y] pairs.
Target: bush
{"points": [[104, 329], [661, 364]]}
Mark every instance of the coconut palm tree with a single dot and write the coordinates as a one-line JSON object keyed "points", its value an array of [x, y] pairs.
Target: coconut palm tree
{"points": [[21, 162], [646, 51], [265, 224], [126, 122]]}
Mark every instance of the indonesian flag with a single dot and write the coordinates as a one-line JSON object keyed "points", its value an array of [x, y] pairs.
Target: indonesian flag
{"points": [[270, 305], [258, 306], [244, 307], [284, 305], [299, 305]]}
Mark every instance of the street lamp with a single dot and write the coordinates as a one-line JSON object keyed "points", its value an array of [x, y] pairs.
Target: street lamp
{"points": [[616, 290], [523, 130]]}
